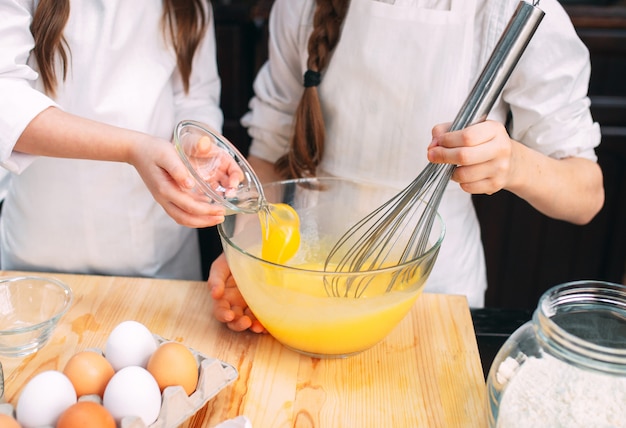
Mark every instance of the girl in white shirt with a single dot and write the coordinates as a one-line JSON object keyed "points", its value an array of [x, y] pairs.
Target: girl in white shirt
{"points": [[383, 73], [90, 95]]}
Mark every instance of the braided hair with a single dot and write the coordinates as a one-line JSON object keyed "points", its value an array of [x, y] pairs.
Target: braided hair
{"points": [[307, 142]]}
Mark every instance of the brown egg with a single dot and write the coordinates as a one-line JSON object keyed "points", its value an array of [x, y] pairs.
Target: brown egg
{"points": [[7, 421], [86, 414], [89, 372], [174, 364]]}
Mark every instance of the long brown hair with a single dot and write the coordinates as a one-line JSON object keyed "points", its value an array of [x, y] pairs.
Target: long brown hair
{"points": [[307, 142], [184, 23]]}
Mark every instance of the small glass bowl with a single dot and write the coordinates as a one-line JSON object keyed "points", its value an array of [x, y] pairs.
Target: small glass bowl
{"points": [[206, 154], [30, 309]]}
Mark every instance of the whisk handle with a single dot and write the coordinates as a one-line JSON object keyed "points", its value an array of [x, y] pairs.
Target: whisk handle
{"points": [[503, 60]]}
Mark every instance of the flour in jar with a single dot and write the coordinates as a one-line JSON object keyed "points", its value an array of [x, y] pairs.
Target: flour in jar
{"points": [[547, 392]]}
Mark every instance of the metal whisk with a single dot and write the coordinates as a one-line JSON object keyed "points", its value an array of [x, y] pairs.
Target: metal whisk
{"points": [[398, 231]]}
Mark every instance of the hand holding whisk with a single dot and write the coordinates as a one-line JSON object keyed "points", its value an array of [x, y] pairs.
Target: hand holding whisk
{"points": [[398, 230]]}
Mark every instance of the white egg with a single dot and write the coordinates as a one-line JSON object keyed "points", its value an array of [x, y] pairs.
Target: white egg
{"points": [[132, 391], [129, 344], [44, 398]]}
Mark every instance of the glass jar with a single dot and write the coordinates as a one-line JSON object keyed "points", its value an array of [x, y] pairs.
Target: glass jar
{"points": [[567, 366]]}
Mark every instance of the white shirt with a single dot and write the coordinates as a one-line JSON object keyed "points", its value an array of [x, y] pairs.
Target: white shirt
{"points": [[398, 70], [92, 216]]}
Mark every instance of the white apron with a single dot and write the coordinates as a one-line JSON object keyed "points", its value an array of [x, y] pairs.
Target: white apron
{"points": [[390, 59]]}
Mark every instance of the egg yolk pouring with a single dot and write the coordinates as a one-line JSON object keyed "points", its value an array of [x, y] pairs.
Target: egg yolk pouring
{"points": [[280, 226]]}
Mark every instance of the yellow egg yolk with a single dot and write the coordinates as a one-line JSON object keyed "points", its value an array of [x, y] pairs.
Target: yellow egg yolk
{"points": [[300, 312], [280, 226]]}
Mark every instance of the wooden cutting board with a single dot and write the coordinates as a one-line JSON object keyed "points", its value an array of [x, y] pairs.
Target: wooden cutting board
{"points": [[426, 373]]}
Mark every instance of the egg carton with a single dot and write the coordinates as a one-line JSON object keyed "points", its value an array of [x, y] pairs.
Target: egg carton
{"points": [[176, 405]]}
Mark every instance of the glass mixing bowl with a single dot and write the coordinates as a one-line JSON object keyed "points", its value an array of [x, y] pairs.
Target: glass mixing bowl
{"points": [[316, 312]]}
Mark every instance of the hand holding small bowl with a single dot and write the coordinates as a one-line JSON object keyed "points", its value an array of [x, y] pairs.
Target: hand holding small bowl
{"points": [[220, 171]]}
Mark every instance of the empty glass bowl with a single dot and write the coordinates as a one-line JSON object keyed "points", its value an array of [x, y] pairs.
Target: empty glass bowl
{"points": [[210, 157], [316, 312], [30, 309]]}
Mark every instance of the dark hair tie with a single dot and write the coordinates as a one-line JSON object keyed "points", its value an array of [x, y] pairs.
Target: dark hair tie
{"points": [[312, 78]]}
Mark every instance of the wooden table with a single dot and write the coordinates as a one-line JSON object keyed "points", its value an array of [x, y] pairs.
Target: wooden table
{"points": [[426, 373]]}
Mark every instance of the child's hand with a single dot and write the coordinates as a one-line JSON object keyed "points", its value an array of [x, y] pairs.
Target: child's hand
{"points": [[216, 167], [483, 153], [167, 178], [229, 306]]}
